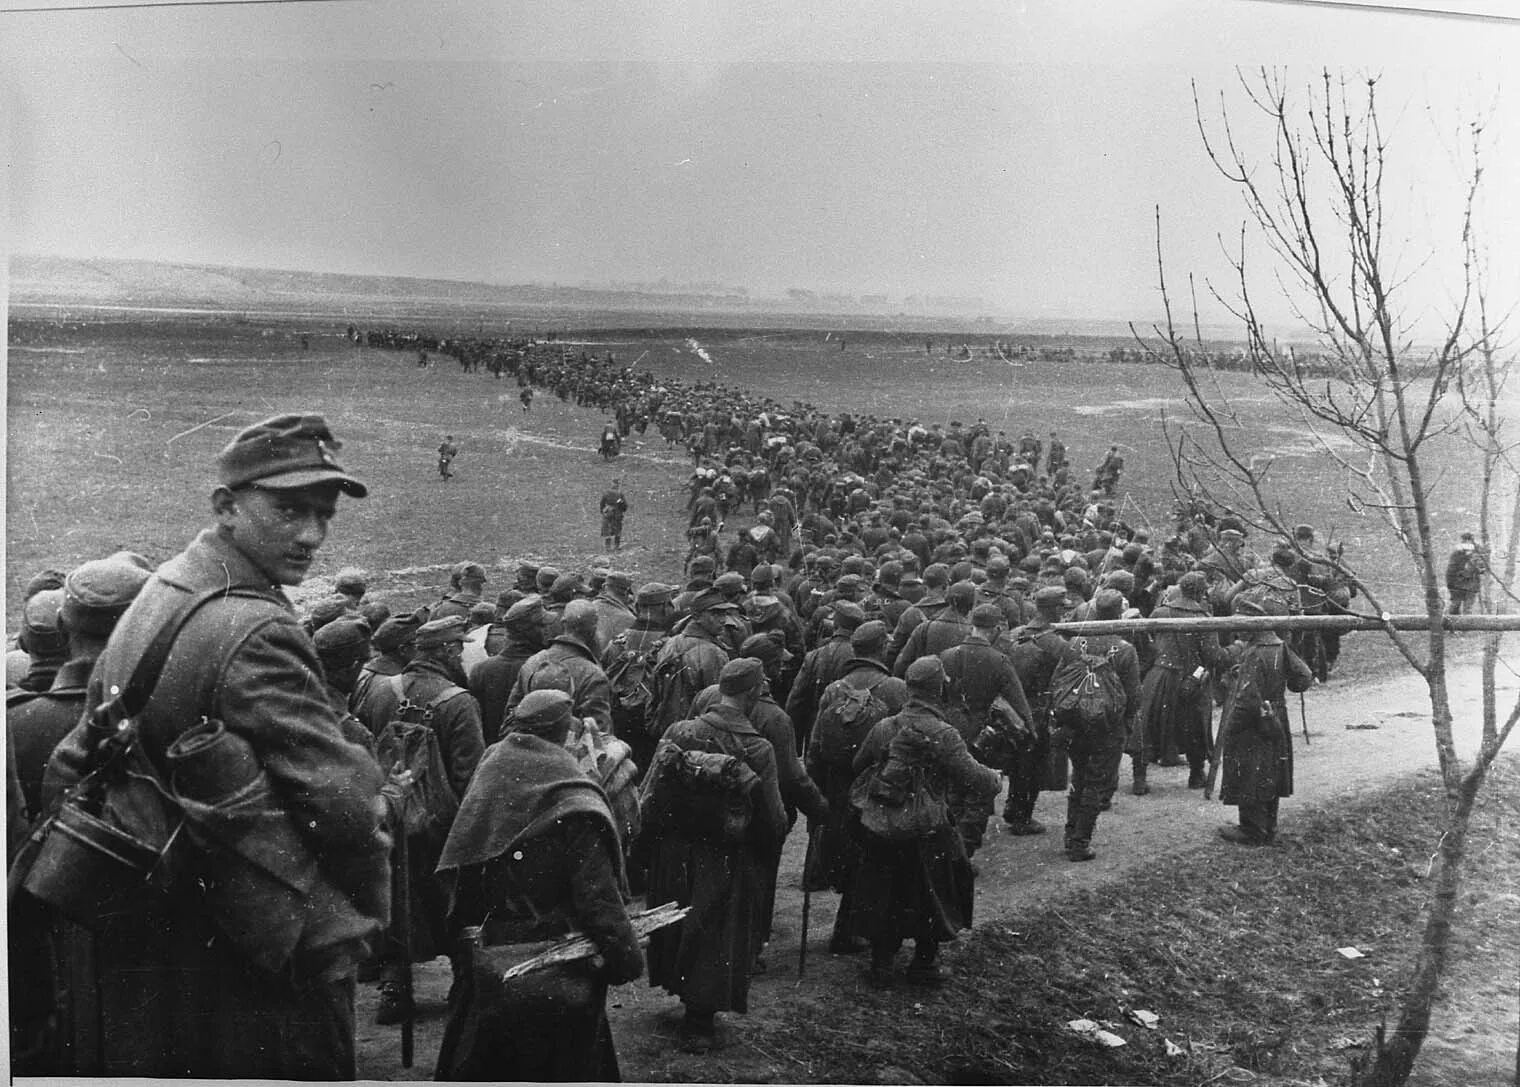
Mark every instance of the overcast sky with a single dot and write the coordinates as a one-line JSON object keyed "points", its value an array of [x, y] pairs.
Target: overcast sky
{"points": [[1013, 152]]}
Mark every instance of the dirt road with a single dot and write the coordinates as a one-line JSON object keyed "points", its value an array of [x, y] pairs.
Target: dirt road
{"points": [[1362, 735]]}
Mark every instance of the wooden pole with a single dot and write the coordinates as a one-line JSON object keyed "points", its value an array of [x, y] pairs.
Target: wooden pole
{"points": [[1454, 624]]}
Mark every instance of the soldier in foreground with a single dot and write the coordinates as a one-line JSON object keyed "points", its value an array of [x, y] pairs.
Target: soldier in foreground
{"points": [[173, 994]]}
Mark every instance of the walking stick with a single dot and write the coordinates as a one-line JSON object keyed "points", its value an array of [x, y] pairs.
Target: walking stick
{"points": [[807, 901], [403, 914], [1303, 717]]}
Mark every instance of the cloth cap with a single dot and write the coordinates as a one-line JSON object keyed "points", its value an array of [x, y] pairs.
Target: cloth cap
{"points": [[529, 611], [729, 583], [395, 632], [961, 595], [653, 593], [741, 675], [869, 637], [763, 574], [1050, 598], [853, 564], [440, 632], [1075, 577], [891, 573], [41, 612], [507, 597], [53, 579], [374, 612], [467, 571], [286, 452], [764, 648], [937, 575], [621, 578], [545, 577], [997, 565], [848, 615], [986, 616], [350, 582], [926, 673], [712, 600], [566, 585], [703, 563], [1108, 604], [95, 593], [329, 608], [542, 712], [342, 642], [1193, 584], [482, 612]]}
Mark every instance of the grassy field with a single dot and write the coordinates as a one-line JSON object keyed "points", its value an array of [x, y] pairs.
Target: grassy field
{"points": [[114, 424]]}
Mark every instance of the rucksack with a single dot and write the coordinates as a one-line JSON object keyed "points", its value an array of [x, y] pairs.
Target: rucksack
{"points": [[702, 793], [674, 688], [632, 683], [1085, 693], [408, 744], [846, 715]]}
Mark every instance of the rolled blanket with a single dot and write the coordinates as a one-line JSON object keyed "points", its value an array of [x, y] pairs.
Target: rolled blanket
{"points": [[263, 884]]}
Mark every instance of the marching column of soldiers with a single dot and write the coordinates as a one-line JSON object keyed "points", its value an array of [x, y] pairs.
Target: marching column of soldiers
{"points": [[863, 644]]}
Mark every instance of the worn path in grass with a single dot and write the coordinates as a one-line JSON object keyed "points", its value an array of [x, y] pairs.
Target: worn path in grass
{"points": [[1346, 755]]}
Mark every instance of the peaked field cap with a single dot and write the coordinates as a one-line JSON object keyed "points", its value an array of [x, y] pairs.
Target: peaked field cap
{"points": [[343, 640], [530, 609], [652, 593], [544, 710], [1050, 598], [740, 675], [394, 632], [869, 636], [108, 584], [926, 672], [986, 615], [712, 600], [286, 452], [441, 632]]}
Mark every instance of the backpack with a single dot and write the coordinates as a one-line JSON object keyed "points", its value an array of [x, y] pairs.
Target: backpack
{"points": [[632, 683], [1085, 692], [846, 715], [674, 688], [423, 803], [703, 793]]}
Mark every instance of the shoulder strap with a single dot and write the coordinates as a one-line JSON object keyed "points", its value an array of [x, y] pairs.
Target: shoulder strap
{"points": [[449, 692], [130, 702]]}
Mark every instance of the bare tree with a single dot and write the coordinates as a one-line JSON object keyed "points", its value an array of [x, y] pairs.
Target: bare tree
{"points": [[1316, 203]]}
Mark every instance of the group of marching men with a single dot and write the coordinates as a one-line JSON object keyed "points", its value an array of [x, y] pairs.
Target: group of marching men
{"points": [[536, 762]]}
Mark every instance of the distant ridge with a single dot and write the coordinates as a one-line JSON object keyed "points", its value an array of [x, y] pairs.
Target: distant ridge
{"points": [[67, 281]]}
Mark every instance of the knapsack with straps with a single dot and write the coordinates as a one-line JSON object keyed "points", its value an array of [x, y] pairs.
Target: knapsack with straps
{"points": [[1085, 692], [408, 745], [846, 715], [632, 683]]}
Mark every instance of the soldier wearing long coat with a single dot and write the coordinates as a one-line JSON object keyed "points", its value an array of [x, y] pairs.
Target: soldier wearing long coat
{"points": [[706, 960], [1254, 730], [173, 994], [1175, 703]]}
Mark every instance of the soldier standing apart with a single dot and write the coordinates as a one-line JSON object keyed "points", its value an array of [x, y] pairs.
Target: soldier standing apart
{"points": [[614, 507], [171, 994], [1254, 735], [1464, 576], [447, 451]]}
